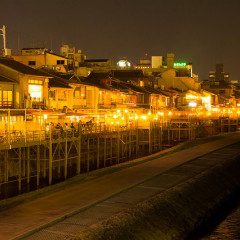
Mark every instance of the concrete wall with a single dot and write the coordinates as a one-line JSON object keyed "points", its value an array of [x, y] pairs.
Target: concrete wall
{"points": [[177, 212]]}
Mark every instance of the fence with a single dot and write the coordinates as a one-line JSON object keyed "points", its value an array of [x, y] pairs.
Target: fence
{"points": [[34, 159]]}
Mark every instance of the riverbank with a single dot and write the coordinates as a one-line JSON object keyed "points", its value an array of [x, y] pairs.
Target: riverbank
{"points": [[177, 212], [184, 191]]}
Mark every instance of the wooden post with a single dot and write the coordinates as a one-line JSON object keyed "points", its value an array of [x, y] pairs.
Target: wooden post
{"points": [[59, 146], [98, 151], [66, 157], [19, 170], [24, 162], [123, 145], [88, 153], [79, 152], [105, 149], [44, 162], [28, 164], [118, 145], [137, 138], [38, 164], [149, 138], [154, 136], [129, 143], [161, 137], [5, 166], [8, 127], [111, 146], [50, 159]]}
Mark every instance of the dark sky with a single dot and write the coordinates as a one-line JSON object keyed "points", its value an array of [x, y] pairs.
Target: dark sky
{"points": [[202, 31]]}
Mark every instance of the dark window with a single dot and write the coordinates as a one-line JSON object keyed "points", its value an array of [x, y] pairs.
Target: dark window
{"points": [[52, 94], [60, 62], [31, 63]]}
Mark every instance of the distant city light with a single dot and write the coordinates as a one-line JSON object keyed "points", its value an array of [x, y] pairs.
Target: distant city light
{"points": [[123, 64]]}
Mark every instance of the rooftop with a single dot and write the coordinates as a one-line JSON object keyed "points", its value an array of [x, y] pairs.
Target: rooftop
{"points": [[6, 79], [19, 67], [96, 60]]}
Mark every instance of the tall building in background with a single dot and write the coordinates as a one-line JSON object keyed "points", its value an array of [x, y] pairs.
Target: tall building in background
{"points": [[219, 75], [157, 61], [170, 60]]}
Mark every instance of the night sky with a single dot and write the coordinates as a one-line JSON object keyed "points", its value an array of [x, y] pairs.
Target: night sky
{"points": [[204, 32]]}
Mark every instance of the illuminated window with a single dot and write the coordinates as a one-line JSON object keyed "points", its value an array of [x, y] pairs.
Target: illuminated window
{"points": [[80, 92], [77, 92], [83, 92], [35, 82], [6, 98], [35, 92]]}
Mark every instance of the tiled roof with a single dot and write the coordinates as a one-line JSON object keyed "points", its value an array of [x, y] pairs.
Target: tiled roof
{"points": [[127, 74], [19, 67], [58, 83], [41, 48], [153, 90], [136, 88], [95, 60], [66, 78], [6, 79], [55, 54]]}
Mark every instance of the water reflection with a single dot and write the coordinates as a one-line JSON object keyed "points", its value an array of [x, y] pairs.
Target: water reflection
{"points": [[229, 229]]}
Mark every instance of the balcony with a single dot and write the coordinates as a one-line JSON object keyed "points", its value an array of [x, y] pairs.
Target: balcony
{"points": [[37, 105], [6, 104]]}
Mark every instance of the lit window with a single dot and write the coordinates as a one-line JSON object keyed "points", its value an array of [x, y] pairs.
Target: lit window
{"points": [[35, 92], [6, 98], [35, 82]]}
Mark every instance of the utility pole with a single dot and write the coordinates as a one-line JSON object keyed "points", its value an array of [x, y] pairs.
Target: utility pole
{"points": [[3, 33]]}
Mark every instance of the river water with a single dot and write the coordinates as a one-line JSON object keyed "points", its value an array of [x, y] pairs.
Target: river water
{"points": [[228, 229]]}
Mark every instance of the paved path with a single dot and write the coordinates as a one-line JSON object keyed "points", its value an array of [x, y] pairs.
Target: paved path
{"points": [[31, 215]]}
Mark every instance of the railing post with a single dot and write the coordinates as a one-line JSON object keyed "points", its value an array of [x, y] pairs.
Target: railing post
{"points": [[79, 149], [38, 164], [66, 156], [118, 144], [88, 152], [5, 166], [150, 138], [50, 158], [105, 149], [98, 150], [19, 170], [28, 165]]}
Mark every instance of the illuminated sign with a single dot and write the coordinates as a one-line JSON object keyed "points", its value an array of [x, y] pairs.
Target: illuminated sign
{"points": [[180, 64]]}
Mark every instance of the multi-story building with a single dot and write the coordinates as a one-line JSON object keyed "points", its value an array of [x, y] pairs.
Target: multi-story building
{"points": [[22, 86], [220, 84], [42, 57], [218, 75], [75, 57]]}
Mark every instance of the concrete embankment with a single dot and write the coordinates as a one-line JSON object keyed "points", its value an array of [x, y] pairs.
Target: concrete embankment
{"points": [[179, 210]]}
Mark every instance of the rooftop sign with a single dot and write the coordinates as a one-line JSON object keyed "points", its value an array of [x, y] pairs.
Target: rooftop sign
{"points": [[180, 64]]}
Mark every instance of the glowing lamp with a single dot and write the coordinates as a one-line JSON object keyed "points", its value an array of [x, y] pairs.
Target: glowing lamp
{"points": [[192, 104]]}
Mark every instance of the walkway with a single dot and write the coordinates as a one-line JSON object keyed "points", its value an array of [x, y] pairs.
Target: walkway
{"points": [[31, 215]]}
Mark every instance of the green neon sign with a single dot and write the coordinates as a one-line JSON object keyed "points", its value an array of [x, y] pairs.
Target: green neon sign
{"points": [[180, 64]]}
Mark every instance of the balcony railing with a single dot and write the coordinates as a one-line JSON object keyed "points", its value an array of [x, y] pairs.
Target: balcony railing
{"points": [[6, 104]]}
